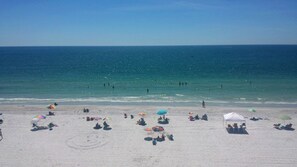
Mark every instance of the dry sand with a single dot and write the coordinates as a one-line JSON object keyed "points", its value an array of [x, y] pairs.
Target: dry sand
{"points": [[199, 143]]}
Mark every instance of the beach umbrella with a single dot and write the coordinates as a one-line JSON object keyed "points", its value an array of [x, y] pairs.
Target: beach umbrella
{"points": [[148, 129], [252, 110], [285, 118], [35, 120], [40, 116], [142, 114], [162, 112], [97, 118], [157, 128], [107, 119]]}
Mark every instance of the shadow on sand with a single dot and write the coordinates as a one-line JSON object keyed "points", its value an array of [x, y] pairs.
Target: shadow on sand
{"points": [[39, 128], [237, 131]]}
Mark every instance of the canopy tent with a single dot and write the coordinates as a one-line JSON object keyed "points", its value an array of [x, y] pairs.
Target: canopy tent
{"points": [[233, 117]]}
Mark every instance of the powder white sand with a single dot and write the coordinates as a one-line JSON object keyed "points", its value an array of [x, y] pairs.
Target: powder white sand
{"points": [[199, 143]]}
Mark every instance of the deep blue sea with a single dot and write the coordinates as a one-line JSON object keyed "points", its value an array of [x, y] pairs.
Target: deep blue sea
{"points": [[174, 75]]}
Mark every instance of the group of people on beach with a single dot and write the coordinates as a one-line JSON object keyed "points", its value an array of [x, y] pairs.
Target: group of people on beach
{"points": [[161, 120]]}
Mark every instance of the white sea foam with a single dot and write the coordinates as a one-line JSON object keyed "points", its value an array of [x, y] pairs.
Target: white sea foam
{"points": [[135, 99]]}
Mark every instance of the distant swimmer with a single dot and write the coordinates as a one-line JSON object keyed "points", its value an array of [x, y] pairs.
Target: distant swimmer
{"points": [[203, 104], [221, 86], [104, 85], [112, 87], [147, 90], [179, 83]]}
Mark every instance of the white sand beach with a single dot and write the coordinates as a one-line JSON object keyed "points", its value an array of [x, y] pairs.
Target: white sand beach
{"points": [[198, 143]]}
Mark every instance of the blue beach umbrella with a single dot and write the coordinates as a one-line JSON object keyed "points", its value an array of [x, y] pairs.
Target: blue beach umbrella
{"points": [[162, 112]]}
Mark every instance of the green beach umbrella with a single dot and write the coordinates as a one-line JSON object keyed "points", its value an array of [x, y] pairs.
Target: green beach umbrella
{"points": [[285, 118], [252, 110]]}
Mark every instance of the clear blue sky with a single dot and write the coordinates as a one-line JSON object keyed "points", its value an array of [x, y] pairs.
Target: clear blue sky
{"points": [[147, 22]]}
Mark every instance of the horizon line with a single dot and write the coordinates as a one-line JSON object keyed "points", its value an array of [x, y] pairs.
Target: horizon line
{"points": [[142, 45]]}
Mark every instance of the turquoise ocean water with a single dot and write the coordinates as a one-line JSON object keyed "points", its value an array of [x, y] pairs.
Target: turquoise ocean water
{"points": [[175, 75]]}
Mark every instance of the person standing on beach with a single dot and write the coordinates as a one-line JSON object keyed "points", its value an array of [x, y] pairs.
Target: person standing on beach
{"points": [[1, 136], [203, 104]]}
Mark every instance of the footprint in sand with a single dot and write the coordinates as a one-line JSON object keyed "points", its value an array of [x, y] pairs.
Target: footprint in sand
{"points": [[87, 141]]}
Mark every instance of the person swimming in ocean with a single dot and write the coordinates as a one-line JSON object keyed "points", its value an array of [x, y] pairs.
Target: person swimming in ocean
{"points": [[147, 90]]}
